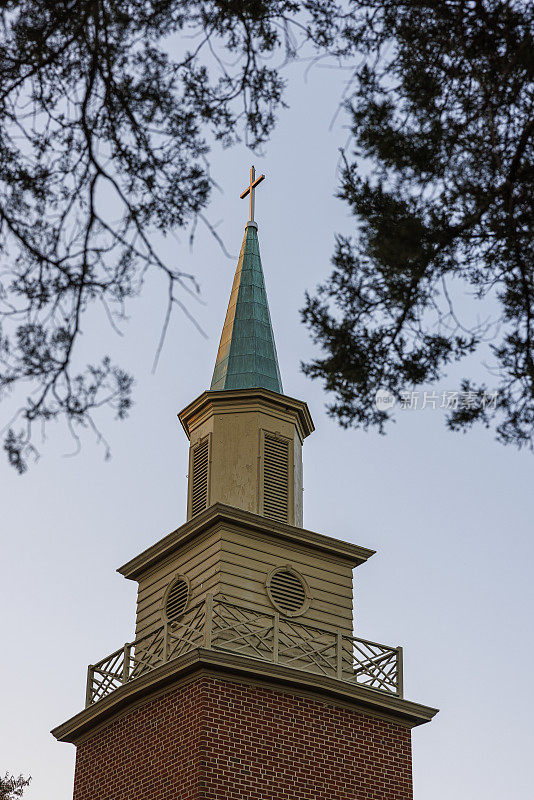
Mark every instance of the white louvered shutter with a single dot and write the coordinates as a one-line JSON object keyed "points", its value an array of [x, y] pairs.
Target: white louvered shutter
{"points": [[199, 491], [287, 591], [177, 599], [275, 478]]}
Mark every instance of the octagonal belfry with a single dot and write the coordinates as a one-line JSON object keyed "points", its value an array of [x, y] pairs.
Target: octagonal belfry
{"points": [[244, 678], [246, 451]]}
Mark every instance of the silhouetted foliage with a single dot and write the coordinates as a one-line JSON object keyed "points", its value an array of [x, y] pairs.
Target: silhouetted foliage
{"points": [[11, 787], [107, 110], [110, 104], [442, 110]]}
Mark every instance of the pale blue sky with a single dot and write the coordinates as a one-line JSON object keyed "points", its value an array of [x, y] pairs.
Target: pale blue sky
{"points": [[450, 515]]}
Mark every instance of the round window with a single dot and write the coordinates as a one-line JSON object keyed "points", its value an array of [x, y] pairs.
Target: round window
{"points": [[288, 591], [177, 597]]}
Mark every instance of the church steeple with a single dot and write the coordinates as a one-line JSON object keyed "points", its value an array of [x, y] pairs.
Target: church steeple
{"points": [[244, 640], [246, 436], [247, 353]]}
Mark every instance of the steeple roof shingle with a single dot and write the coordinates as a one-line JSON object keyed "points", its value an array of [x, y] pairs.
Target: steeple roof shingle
{"points": [[247, 353]]}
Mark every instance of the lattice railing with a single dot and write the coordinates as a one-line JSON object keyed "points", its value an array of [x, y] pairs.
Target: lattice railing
{"points": [[308, 648], [217, 624], [242, 630], [187, 633], [146, 653], [377, 666]]}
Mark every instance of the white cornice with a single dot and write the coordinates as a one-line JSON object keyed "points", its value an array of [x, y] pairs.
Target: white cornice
{"points": [[225, 664], [219, 514]]}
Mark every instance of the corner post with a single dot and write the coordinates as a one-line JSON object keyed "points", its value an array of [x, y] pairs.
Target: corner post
{"points": [[339, 656], [208, 621], [126, 662], [276, 636], [165, 641], [400, 684], [89, 685]]}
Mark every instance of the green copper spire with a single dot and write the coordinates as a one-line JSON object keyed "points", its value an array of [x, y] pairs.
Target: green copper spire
{"points": [[247, 352]]}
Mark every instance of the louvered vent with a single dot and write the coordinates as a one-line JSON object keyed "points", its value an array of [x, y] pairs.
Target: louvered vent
{"points": [[199, 492], [275, 478], [177, 599], [287, 591]]}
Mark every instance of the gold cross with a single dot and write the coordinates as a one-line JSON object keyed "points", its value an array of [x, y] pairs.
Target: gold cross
{"points": [[251, 190]]}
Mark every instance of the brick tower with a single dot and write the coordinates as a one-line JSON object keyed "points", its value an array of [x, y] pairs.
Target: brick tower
{"points": [[244, 680]]}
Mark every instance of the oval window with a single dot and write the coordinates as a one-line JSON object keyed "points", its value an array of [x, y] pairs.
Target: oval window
{"points": [[177, 598], [288, 591]]}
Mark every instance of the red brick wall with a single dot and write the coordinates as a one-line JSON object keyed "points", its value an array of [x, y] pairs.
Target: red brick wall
{"points": [[220, 740], [150, 753]]}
